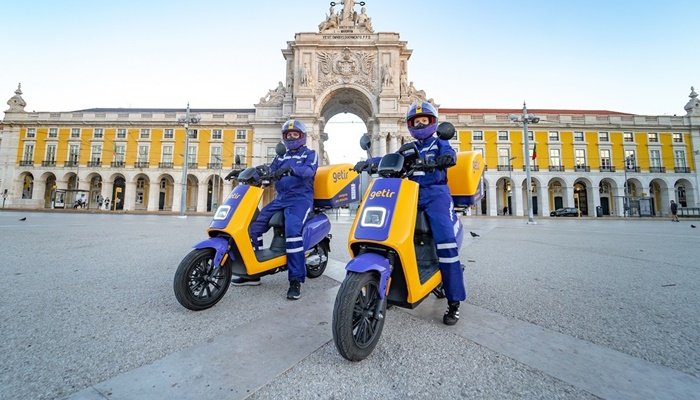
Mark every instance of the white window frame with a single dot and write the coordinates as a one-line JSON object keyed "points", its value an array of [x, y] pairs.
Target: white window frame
{"points": [[96, 153], [98, 133], [477, 136], [75, 133], [50, 154], [28, 152], [121, 133], [217, 134], [168, 133], [655, 158], [31, 133], [167, 153], [553, 157], [145, 133], [241, 134], [142, 156], [53, 133], [553, 136], [604, 137], [605, 158]]}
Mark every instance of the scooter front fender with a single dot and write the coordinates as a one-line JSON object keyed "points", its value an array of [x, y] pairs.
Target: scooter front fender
{"points": [[372, 262], [220, 246]]}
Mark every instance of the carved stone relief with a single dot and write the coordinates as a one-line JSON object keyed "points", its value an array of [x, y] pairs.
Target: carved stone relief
{"points": [[346, 67]]}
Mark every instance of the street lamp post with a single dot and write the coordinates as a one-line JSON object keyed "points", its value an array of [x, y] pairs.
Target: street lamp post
{"points": [[186, 120], [625, 199], [526, 118]]}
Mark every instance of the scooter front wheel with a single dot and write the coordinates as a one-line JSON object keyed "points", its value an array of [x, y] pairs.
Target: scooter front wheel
{"points": [[198, 285], [358, 316]]}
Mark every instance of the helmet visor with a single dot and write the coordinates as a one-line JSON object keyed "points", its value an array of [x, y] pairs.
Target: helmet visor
{"points": [[293, 135]]}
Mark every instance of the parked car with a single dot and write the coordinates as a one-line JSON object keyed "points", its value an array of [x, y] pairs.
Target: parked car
{"points": [[564, 212]]}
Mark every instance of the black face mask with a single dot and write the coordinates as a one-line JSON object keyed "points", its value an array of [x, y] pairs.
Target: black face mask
{"points": [[419, 126]]}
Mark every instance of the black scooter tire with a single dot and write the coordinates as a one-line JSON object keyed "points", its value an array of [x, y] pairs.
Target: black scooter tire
{"points": [[197, 284], [315, 272], [355, 333]]}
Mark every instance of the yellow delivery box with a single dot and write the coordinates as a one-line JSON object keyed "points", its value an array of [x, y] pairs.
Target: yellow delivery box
{"points": [[335, 186], [465, 179]]}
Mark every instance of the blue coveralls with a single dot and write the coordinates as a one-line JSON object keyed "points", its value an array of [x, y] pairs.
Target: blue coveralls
{"points": [[434, 198], [295, 195]]}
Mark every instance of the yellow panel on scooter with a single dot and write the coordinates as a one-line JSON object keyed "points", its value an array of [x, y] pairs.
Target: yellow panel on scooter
{"points": [[400, 237], [336, 185], [464, 179]]}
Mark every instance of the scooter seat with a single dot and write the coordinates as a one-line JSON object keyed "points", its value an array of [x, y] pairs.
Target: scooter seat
{"points": [[422, 225], [277, 220]]}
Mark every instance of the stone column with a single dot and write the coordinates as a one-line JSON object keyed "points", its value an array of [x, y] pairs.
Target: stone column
{"points": [[153, 195], [177, 197], [393, 142], [383, 142], [202, 196], [543, 201], [518, 200], [129, 194], [595, 195], [492, 193], [107, 191]]}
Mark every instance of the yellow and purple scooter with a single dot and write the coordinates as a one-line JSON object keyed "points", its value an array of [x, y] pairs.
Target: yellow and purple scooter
{"points": [[394, 260], [204, 275]]}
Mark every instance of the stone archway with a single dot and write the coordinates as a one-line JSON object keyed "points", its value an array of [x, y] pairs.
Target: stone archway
{"points": [[344, 67]]}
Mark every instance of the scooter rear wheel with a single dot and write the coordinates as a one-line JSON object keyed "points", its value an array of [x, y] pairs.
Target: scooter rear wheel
{"points": [[314, 271], [198, 285], [356, 326]]}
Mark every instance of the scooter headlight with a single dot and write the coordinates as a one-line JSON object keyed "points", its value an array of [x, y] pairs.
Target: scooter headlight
{"points": [[373, 217], [222, 212]]}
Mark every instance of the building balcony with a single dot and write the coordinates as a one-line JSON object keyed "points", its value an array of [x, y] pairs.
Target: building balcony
{"points": [[50, 163], [682, 170], [582, 168], [534, 168], [657, 169], [214, 165], [165, 165], [70, 164], [192, 165], [607, 169], [633, 169], [26, 163], [141, 164], [94, 163], [505, 167], [557, 168], [117, 164], [239, 166]]}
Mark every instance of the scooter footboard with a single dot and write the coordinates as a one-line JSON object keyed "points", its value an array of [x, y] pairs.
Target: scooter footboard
{"points": [[220, 246], [372, 262]]}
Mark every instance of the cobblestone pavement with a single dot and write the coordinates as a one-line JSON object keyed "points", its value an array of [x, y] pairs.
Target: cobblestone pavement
{"points": [[565, 308]]}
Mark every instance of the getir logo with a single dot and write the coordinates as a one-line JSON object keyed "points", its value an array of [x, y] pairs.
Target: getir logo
{"points": [[340, 175], [382, 193]]}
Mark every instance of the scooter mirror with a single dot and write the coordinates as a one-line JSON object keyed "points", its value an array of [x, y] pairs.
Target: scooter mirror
{"points": [[280, 149], [238, 160], [365, 142], [446, 130]]}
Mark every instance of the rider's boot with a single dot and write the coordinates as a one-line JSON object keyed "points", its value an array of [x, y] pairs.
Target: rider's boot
{"points": [[452, 314], [294, 292]]}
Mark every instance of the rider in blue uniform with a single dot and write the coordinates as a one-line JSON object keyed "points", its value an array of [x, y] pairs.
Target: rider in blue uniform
{"points": [[294, 173], [434, 198]]}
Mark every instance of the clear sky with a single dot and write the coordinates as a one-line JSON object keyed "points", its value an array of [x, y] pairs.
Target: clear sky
{"points": [[631, 56]]}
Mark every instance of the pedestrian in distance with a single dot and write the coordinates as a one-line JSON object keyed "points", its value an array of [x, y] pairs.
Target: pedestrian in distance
{"points": [[674, 211], [294, 174]]}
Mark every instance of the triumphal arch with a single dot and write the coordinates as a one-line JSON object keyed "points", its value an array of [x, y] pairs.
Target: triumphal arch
{"points": [[344, 67]]}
